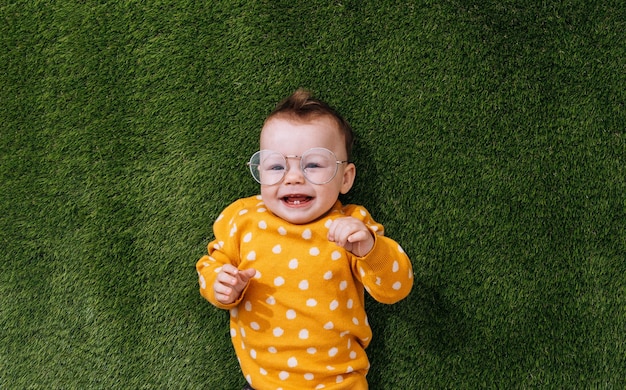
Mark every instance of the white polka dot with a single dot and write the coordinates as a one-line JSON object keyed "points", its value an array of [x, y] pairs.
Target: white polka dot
{"points": [[311, 350], [243, 332], [314, 251], [352, 355], [349, 369], [361, 271], [247, 237], [400, 249], [329, 325], [304, 334], [309, 376], [379, 281], [328, 275], [219, 218], [253, 354], [311, 302], [334, 305], [278, 331], [234, 312], [291, 314], [397, 286], [395, 266], [362, 212], [336, 255], [343, 285], [293, 263], [271, 300], [355, 321], [263, 371], [263, 225], [350, 303], [233, 230], [374, 228], [339, 379], [202, 282], [333, 352], [277, 249], [272, 350], [328, 223], [251, 256], [233, 332], [306, 234], [261, 210], [248, 306], [292, 362], [283, 375], [279, 281], [282, 231], [257, 275], [304, 285], [244, 211], [255, 325]]}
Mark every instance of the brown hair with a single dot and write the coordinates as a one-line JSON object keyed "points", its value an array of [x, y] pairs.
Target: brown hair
{"points": [[303, 106]]}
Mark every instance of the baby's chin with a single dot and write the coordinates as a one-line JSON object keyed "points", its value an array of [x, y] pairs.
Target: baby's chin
{"points": [[296, 216], [295, 219]]}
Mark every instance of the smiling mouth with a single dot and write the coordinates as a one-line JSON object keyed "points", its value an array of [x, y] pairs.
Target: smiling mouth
{"points": [[297, 200]]}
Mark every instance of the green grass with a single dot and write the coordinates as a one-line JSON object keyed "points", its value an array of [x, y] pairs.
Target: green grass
{"points": [[491, 145]]}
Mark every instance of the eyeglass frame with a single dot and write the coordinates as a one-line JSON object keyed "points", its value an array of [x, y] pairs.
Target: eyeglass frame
{"points": [[302, 169]]}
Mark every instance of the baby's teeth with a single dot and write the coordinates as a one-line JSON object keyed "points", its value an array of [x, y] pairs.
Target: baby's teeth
{"points": [[296, 202]]}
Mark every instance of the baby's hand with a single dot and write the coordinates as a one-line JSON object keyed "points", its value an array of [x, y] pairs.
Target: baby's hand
{"points": [[351, 234], [231, 282]]}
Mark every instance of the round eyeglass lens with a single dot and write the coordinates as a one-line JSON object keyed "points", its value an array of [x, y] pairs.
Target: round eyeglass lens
{"points": [[319, 165], [267, 167]]}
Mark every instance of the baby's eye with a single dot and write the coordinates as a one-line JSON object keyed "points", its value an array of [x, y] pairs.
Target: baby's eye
{"points": [[312, 165], [276, 168]]}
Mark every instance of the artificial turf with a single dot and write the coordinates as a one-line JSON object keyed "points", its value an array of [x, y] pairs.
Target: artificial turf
{"points": [[490, 144]]}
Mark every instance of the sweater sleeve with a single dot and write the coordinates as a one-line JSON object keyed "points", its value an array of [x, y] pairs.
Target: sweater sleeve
{"points": [[222, 250], [386, 271]]}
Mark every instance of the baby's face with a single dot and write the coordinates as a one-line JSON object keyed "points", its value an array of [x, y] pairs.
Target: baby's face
{"points": [[295, 199]]}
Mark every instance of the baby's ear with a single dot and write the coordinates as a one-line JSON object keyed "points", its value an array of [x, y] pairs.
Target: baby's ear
{"points": [[349, 174]]}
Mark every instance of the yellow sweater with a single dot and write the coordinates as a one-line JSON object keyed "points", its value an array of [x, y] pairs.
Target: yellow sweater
{"points": [[301, 322]]}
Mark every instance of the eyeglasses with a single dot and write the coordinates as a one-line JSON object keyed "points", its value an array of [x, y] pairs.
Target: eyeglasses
{"points": [[319, 166]]}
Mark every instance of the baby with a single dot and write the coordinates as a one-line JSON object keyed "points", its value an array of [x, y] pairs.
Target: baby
{"points": [[292, 264]]}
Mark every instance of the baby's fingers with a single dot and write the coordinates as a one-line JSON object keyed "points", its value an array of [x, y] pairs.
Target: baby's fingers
{"points": [[227, 276], [339, 234], [339, 230], [358, 236], [223, 292]]}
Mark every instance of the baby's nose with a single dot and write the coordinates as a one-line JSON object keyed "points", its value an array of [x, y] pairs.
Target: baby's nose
{"points": [[294, 174]]}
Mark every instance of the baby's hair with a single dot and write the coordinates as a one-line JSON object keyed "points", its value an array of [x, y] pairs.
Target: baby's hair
{"points": [[303, 106]]}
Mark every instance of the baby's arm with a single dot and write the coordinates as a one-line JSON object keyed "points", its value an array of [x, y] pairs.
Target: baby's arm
{"points": [[380, 263], [221, 282], [386, 271]]}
